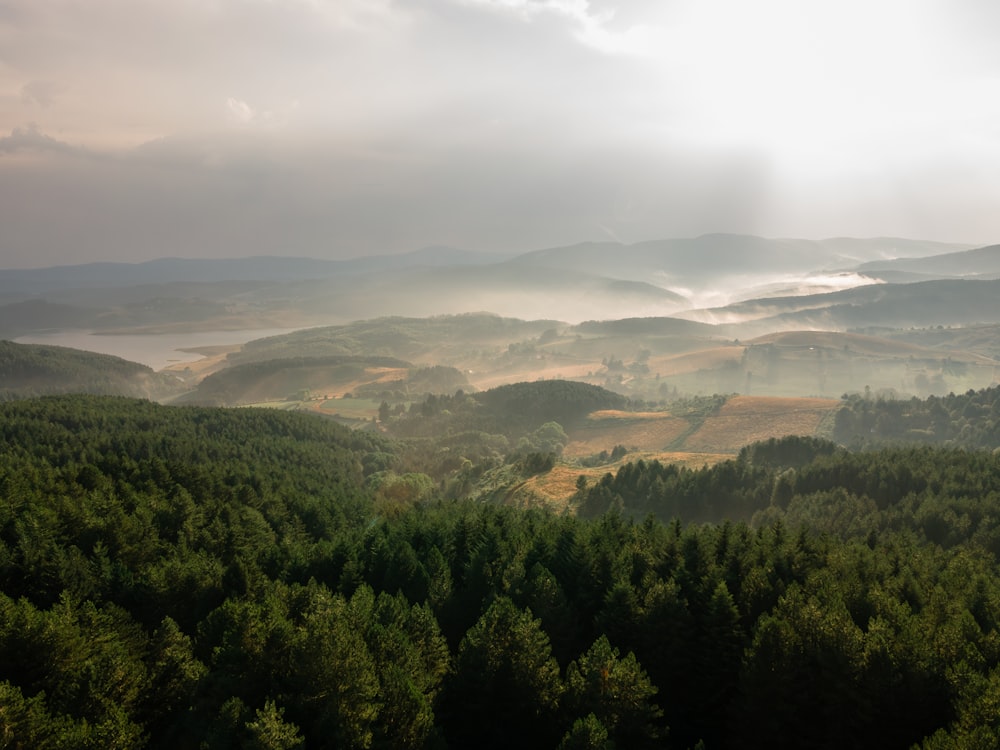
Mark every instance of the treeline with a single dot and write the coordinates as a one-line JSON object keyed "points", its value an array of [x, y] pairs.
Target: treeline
{"points": [[970, 420], [792, 474], [182, 577]]}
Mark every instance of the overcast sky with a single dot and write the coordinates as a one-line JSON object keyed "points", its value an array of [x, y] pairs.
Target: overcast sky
{"points": [[135, 129]]}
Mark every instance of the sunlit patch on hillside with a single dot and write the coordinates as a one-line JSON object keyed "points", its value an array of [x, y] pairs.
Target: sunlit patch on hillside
{"points": [[748, 419], [642, 431]]}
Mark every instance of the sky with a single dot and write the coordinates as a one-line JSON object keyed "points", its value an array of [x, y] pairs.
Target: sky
{"points": [[137, 129]]}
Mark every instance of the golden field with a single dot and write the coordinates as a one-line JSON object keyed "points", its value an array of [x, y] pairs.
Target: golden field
{"points": [[747, 419]]}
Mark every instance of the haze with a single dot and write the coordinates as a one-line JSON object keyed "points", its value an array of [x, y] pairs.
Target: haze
{"points": [[131, 129]]}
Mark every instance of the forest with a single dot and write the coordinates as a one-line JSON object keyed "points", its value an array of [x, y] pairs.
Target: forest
{"points": [[192, 577]]}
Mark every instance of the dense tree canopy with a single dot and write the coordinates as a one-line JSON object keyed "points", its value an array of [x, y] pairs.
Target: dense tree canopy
{"points": [[187, 577]]}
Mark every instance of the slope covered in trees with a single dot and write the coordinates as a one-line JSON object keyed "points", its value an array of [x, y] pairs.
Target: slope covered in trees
{"points": [[192, 577], [35, 370]]}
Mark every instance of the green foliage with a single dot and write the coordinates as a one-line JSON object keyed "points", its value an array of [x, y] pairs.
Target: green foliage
{"points": [[506, 686], [586, 734], [617, 692], [511, 410], [559, 401], [269, 731], [970, 420], [185, 578]]}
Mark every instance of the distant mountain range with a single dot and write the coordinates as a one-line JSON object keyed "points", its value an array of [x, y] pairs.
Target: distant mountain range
{"points": [[718, 278], [27, 282], [982, 262], [703, 261]]}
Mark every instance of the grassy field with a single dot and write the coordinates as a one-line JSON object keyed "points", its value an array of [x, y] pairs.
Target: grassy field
{"points": [[350, 408], [741, 420], [642, 431], [747, 419]]}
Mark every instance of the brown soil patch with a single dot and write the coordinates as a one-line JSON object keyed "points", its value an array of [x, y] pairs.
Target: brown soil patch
{"points": [[748, 419]]}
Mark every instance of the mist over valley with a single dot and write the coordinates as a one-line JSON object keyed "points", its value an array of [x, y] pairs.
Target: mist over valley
{"points": [[807, 318]]}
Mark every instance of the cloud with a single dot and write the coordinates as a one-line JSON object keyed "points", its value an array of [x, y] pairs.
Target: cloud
{"points": [[32, 139], [240, 111], [590, 26], [339, 127]]}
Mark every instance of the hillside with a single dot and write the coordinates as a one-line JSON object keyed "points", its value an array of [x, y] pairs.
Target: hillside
{"points": [[37, 314], [294, 378], [744, 420], [34, 370], [982, 261], [509, 410], [940, 302], [434, 340], [699, 262]]}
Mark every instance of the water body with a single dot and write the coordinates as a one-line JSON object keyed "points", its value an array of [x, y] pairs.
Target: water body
{"points": [[157, 350]]}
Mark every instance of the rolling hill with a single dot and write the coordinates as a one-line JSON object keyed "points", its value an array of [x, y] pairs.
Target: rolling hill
{"points": [[939, 302], [983, 262], [28, 370], [711, 260]]}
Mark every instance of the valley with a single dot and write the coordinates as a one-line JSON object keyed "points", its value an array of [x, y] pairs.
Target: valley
{"points": [[700, 383], [535, 374], [330, 520]]}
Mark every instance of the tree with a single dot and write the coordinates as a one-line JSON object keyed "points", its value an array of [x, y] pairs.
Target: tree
{"points": [[506, 687], [269, 730], [587, 733], [617, 691]]}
